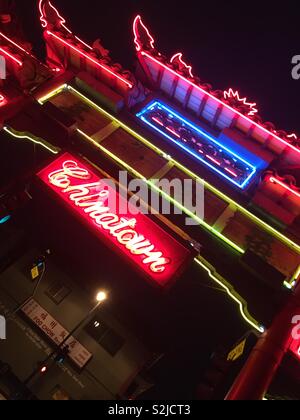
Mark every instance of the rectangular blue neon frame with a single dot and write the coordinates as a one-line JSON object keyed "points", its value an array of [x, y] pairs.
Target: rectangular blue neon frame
{"points": [[152, 105]]}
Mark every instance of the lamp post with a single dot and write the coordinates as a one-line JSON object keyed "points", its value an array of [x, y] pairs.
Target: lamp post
{"points": [[100, 298], [40, 262], [258, 372], [36, 287]]}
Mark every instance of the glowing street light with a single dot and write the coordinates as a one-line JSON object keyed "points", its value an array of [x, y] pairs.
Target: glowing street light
{"points": [[58, 354], [101, 296]]}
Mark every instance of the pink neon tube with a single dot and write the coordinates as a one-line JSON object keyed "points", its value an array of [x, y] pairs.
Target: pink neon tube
{"points": [[11, 57], [91, 59], [286, 187]]}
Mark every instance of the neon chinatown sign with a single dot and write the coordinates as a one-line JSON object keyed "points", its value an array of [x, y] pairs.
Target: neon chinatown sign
{"points": [[146, 245]]}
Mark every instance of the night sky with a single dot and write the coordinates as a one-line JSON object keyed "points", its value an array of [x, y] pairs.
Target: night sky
{"points": [[245, 45]]}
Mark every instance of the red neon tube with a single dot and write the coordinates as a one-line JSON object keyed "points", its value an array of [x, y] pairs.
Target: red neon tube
{"points": [[231, 94], [62, 22], [173, 132], [213, 160], [11, 57], [285, 186], [137, 20], [157, 121], [295, 348], [130, 85], [178, 57], [231, 172], [14, 43]]}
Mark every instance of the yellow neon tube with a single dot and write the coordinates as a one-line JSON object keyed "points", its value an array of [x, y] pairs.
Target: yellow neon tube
{"points": [[282, 237], [258, 221], [34, 140], [162, 193], [230, 291]]}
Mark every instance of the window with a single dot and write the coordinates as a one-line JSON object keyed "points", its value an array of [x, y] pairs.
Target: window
{"points": [[105, 336], [59, 394], [57, 292], [112, 342], [96, 329]]}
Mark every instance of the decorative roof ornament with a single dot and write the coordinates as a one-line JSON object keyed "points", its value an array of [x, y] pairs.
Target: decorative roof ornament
{"points": [[237, 100], [142, 37], [293, 137], [181, 65], [50, 15]]}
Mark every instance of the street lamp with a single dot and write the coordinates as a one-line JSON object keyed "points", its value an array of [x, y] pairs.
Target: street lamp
{"points": [[100, 297]]}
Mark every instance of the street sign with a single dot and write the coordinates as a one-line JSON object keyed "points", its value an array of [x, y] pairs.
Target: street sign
{"points": [[237, 352], [34, 272], [56, 332]]}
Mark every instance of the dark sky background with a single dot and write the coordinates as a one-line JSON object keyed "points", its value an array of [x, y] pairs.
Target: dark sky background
{"points": [[247, 45]]}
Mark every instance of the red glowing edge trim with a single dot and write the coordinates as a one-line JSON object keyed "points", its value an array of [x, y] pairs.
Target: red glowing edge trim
{"points": [[179, 57], [84, 43], [131, 232], [144, 53], [43, 18], [3, 100], [130, 85], [14, 43], [62, 22], [235, 94], [295, 348], [11, 57], [284, 185], [138, 20]]}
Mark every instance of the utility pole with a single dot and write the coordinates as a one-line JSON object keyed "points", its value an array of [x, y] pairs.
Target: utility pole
{"points": [[257, 374], [101, 297]]}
